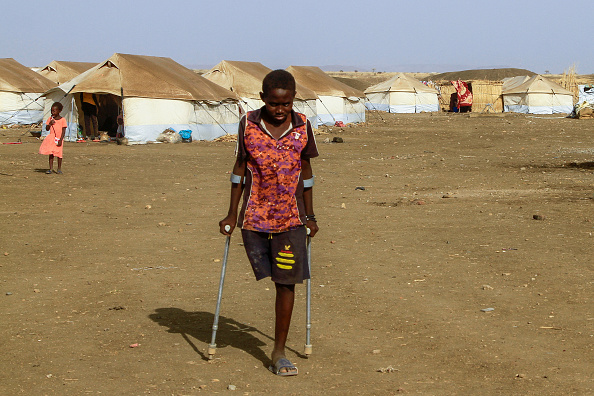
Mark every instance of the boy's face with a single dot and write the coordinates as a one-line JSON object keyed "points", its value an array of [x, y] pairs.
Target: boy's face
{"points": [[279, 103], [55, 111]]}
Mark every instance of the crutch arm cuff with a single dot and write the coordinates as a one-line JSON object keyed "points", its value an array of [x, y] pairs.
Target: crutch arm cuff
{"points": [[237, 179], [308, 183]]}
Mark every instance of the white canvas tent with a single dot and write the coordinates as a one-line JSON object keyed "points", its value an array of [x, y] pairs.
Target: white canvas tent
{"points": [[402, 94], [154, 94], [62, 71], [20, 91], [536, 95], [245, 79], [336, 101]]}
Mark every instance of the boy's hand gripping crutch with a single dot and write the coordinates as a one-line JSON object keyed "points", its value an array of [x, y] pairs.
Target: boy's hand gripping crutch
{"points": [[212, 347], [308, 347]]}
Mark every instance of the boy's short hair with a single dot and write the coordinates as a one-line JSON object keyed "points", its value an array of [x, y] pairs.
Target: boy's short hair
{"points": [[278, 79], [59, 105]]}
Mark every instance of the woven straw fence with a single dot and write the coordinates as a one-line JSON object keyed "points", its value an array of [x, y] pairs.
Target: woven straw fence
{"points": [[486, 95]]}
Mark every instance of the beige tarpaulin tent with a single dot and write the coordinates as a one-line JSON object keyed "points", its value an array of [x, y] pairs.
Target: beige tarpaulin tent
{"points": [[155, 94], [336, 101], [536, 95], [402, 94], [20, 90], [245, 79], [62, 71]]}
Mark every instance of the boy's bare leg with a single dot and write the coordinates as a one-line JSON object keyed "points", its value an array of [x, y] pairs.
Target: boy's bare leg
{"points": [[285, 298], [59, 164]]}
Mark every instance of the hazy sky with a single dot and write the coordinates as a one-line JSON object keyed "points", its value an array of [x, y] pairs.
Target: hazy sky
{"points": [[418, 35]]}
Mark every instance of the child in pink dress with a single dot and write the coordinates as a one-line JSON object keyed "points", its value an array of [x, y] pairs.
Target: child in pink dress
{"points": [[52, 144]]}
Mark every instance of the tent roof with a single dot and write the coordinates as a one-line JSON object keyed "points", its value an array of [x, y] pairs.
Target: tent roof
{"points": [[245, 79], [512, 82], [146, 77], [401, 83], [62, 71], [315, 79], [537, 84], [15, 77]]}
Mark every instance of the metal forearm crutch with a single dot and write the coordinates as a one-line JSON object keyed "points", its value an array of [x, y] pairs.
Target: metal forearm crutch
{"points": [[308, 347], [212, 347]]}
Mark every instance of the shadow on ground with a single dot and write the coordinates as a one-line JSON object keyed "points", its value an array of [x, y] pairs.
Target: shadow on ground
{"points": [[194, 326], [574, 165], [580, 165]]}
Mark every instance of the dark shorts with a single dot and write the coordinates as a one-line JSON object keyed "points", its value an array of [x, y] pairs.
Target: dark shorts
{"points": [[282, 256]]}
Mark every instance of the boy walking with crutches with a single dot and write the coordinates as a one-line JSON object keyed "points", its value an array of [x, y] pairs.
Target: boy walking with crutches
{"points": [[273, 170]]}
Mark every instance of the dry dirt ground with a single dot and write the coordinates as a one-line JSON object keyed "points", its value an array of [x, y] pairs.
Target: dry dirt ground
{"points": [[123, 250]]}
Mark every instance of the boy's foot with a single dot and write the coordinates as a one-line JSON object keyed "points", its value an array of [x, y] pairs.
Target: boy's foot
{"points": [[59, 171], [283, 367], [48, 172]]}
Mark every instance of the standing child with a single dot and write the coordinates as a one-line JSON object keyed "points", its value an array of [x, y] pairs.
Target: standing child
{"points": [[273, 169], [52, 144]]}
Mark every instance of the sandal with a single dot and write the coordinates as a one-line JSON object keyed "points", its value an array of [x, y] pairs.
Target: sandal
{"points": [[48, 172], [284, 363], [59, 171]]}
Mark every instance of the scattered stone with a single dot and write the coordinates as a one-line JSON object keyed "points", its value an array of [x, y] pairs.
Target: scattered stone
{"points": [[419, 202], [9, 293], [6, 253], [231, 387], [134, 345], [148, 207], [487, 309], [388, 369], [343, 205], [446, 196], [538, 217], [356, 188], [116, 308], [376, 351], [487, 287], [520, 375], [337, 139], [36, 290], [162, 224], [216, 260]]}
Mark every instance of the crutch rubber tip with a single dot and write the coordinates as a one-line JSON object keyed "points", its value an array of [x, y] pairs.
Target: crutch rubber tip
{"points": [[211, 351], [308, 350], [227, 228]]}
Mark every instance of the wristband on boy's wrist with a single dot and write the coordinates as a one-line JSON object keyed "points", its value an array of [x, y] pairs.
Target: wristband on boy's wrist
{"points": [[311, 217]]}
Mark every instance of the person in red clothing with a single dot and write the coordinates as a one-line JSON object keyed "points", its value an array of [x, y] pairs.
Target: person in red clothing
{"points": [[52, 145], [273, 170]]}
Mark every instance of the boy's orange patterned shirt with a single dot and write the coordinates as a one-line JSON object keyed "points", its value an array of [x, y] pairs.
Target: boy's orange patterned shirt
{"points": [[273, 197]]}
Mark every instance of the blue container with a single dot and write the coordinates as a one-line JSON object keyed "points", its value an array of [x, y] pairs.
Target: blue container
{"points": [[186, 135]]}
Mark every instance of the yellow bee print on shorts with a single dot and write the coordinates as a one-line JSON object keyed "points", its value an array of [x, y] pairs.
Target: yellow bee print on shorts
{"points": [[285, 258]]}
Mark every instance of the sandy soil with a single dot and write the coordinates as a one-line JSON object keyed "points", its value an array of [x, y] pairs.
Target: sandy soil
{"points": [[124, 249]]}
